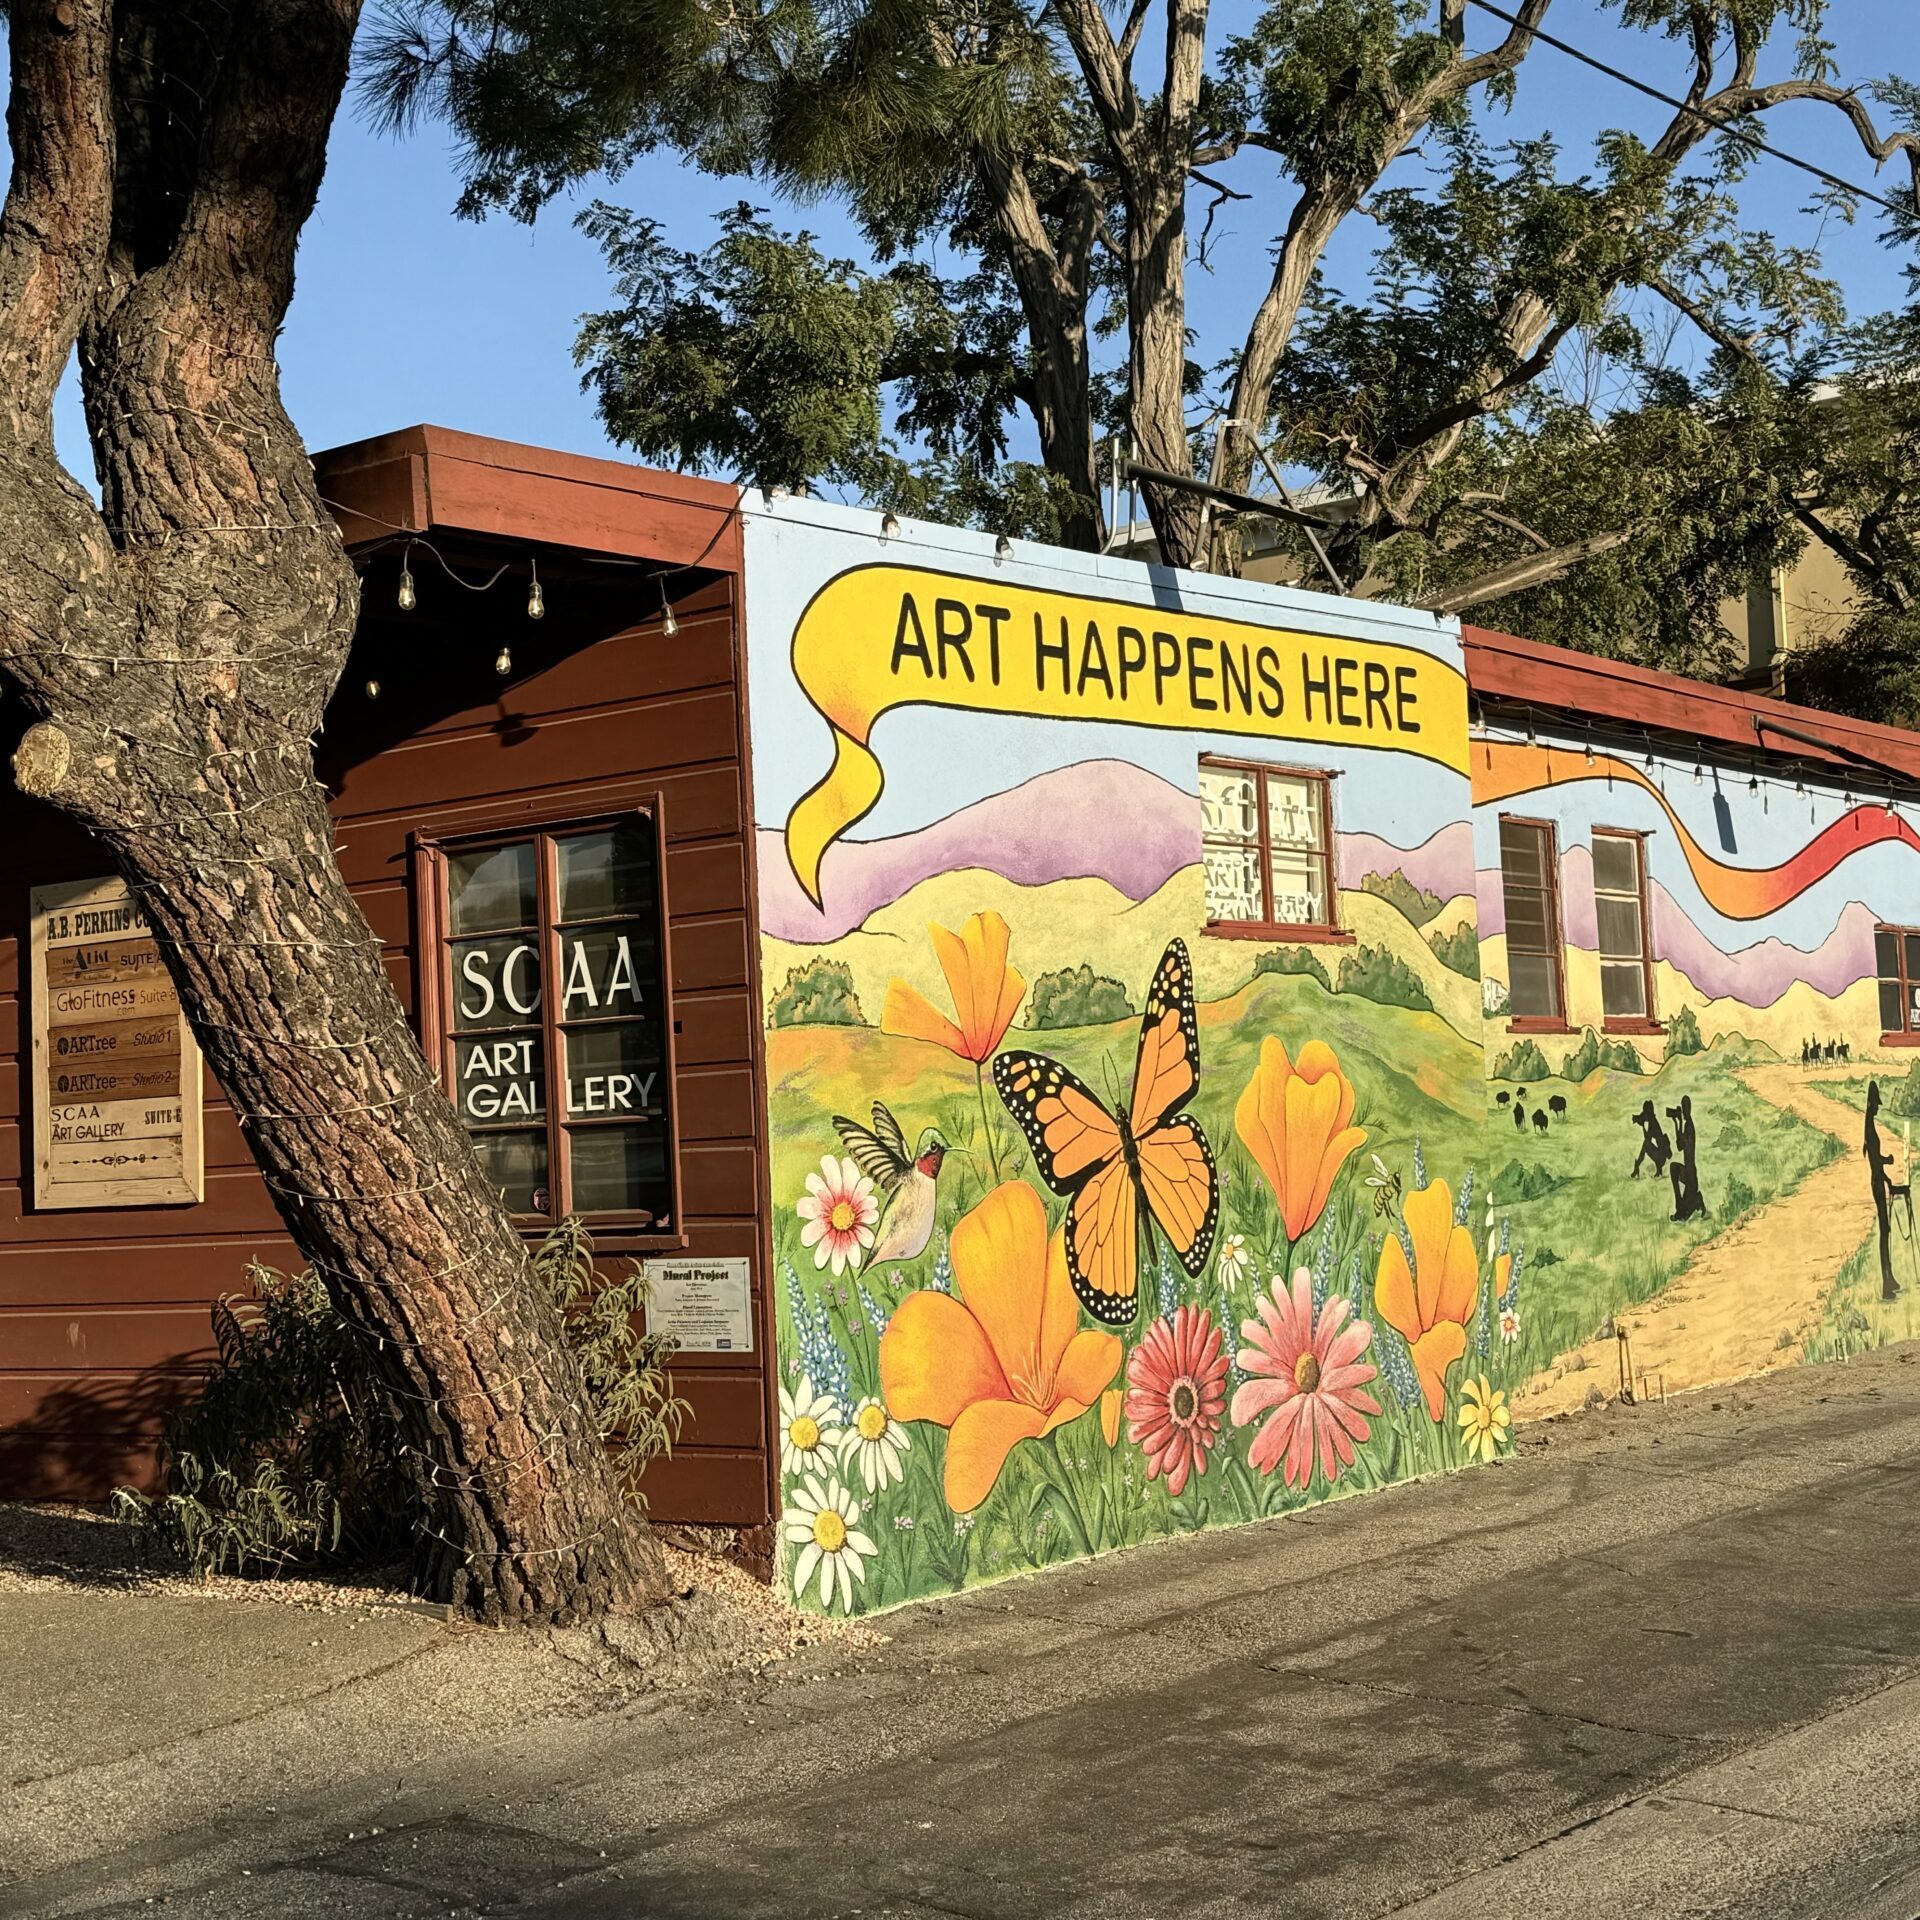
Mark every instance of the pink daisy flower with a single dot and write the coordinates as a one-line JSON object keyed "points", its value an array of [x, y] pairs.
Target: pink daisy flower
{"points": [[1177, 1387], [839, 1209], [1308, 1375]]}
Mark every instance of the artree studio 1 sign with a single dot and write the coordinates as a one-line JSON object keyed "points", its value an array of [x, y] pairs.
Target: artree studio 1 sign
{"points": [[116, 1074]]}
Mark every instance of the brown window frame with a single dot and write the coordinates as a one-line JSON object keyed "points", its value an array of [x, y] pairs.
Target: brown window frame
{"points": [[626, 1230], [1328, 932], [1556, 927], [1904, 1036], [1650, 1021]]}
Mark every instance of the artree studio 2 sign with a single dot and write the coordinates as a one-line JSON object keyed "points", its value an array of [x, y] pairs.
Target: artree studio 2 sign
{"points": [[116, 1074]]}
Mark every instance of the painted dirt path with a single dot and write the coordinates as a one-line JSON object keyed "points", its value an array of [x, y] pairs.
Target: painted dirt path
{"points": [[1721, 1317]]}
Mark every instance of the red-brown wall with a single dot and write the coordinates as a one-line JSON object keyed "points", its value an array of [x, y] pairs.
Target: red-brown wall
{"points": [[104, 1314]]}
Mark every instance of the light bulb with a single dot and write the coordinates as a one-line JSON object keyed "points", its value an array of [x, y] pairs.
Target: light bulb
{"points": [[1589, 753], [373, 689], [1002, 549], [406, 596], [668, 624], [503, 662], [536, 601], [889, 526], [1699, 773]]}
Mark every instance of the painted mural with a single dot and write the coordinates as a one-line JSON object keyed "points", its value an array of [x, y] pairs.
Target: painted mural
{"points": [[1124, 1054], [1699, 1020]]}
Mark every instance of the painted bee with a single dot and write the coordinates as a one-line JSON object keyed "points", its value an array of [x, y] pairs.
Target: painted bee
{"points": [[1386, 1188]]}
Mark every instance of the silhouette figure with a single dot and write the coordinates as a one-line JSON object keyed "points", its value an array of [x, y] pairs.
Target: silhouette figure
{"points": [[1539, 1120], [1885, 1192], [1519, 1115], [1829, 1053], [1806, 1053], [1687, 1203], [1655, 1148], [1501, 1098], [1557, 1106], [1846, 1051]]}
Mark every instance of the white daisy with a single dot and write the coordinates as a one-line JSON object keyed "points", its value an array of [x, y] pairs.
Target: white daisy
{"points": [[1509, 1325], [1234, 1260], [810, 1429], [878, 1441], [821, 1522]]}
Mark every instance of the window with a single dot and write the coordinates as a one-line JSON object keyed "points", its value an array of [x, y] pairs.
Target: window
{"points": [[1267, 847], [554, 1034], [1529, 875], [1620, 914], [1897, 961]]}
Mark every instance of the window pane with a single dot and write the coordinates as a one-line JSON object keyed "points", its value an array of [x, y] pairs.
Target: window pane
{"points": [[1299, 888], [607, 872], [1532, 991], [1293, 812], [1233, 883], [1618, 921], [1913, 955], [1616, 863], [1886, 953], [609, 969], [1623, 992], [614, 1069], [1229, 805], [500, 1078], [1890, 1008], [1521, 855], [491, 888], [516, 1164], [620, 1169], [496, 982], [1527, 922]]}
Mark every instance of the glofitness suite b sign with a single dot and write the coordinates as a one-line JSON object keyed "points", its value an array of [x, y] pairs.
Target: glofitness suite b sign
{"points": [[876, 638]]}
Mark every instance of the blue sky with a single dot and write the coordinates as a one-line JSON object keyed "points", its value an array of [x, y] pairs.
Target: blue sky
{"points": [[405, 313]]}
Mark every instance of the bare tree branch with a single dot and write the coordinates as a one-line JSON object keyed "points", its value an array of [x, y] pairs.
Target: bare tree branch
{"points": [[1530, 570]]}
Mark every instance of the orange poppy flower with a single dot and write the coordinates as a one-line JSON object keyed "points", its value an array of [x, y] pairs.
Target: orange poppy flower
{"points": [[1110, 1404], [1429, 1304], [1294, 1120], [986, 991], [1006, 1361]]}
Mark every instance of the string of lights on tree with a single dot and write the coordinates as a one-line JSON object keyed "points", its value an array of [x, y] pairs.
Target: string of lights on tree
{"points": [[1625, 747]]}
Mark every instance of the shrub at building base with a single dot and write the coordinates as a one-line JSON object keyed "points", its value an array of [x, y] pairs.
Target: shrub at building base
{"points": [[292, 1456]]}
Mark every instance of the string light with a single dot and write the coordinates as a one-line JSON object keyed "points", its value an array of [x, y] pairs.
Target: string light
{"points": [[889, 526], [1699, 773], [536, 600], [668, 624], [1002, 550], [1587, 749], [373, 688], [407, 598], [503, 662]]}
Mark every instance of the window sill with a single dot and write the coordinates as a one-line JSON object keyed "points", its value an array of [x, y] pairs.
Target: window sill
{"points": [[1291, 936], [1535, 1024], [1894, 1040], [1644, 1027], [611, 1236]]}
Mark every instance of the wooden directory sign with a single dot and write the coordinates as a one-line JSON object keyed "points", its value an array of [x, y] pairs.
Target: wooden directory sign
{"points": [[116, 1073]]}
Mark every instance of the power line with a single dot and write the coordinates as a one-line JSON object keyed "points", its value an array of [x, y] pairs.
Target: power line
{"points": [[1727, 127]]}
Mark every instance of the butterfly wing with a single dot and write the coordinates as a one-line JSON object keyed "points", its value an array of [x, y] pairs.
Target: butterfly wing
{"points": [[1177, 1176], [1076, 1147]]}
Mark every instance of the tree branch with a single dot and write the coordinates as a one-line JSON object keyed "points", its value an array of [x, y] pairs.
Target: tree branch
{"points": [[1530, 570], [1109, 85]]}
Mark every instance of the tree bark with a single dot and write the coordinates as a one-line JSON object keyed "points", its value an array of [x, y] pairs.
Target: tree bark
{"points": [[179, 645]]}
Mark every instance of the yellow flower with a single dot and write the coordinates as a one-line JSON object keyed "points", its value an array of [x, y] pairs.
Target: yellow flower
{"points": [[1484, 1419], [1429, 1304], [1006, 1360], [986, 991], [1110, 1404], [1294, 1121]]}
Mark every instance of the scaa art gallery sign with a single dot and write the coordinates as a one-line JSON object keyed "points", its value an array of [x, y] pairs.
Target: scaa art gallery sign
{"points": [[116, 1074]]}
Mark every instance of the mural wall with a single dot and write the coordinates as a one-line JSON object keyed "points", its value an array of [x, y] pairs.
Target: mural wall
{"points": [[1700, 1003], [1124, 1053]]}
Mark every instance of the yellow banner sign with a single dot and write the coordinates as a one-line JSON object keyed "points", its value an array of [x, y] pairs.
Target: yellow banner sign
{"points": [[881, 637]]}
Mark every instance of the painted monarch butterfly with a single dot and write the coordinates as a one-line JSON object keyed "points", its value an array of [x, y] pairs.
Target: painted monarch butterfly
{"points": [[1120, 1171]]}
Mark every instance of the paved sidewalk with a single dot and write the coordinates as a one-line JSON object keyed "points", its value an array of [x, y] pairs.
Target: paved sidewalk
{"points": [[1666, 1660]]}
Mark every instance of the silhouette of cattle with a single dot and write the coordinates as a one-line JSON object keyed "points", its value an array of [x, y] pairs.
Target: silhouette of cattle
{"points": [[1539, 1121], [1519, 1114], [1557, 1105], [1501, 1098]]}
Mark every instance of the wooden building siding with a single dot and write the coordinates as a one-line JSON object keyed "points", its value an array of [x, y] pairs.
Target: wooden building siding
{"points": [[104, 1315]]}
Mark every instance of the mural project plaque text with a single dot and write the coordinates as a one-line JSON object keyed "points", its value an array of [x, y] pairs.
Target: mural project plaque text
{"points": [[116, 1074]]}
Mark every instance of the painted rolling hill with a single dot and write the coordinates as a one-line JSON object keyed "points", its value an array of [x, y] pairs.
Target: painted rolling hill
{"points": [[1103, 820]]}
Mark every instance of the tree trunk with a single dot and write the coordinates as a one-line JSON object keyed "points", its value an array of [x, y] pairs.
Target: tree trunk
{"points": [[1157, 366], [179, 645]]}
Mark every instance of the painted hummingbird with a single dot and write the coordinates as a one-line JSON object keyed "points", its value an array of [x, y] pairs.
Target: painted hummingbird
{"points": [[908, 1181]]}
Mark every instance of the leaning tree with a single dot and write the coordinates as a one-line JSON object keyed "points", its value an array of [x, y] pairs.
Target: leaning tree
{"points": [[177, 643]]}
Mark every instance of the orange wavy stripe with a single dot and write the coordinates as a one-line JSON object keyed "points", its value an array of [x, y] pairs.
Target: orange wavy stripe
{"points": [[1505, 769]]}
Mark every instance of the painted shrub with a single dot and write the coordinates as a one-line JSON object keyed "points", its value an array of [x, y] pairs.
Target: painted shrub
{"points": [[1697, 998], [1048, 1289]]}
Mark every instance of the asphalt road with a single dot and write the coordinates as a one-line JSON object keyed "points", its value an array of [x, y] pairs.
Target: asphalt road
{"points": [[1665, 1661]]}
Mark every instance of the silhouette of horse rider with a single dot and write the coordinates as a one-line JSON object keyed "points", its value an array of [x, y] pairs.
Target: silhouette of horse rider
{"points": [[1655, 1148], [1885, 1192], [1687, 1203]]}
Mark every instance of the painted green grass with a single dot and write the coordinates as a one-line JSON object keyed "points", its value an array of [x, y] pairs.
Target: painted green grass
{"points": [[1854, 1319], [1595, 1240], [1069, 1495]]}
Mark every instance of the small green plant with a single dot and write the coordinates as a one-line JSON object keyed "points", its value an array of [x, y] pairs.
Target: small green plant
{"points": [[1902, 1096], [1459, 949], [1683, 1034], [1292, 960], [1522, 1061], [291, 1455], [1740, 1198], [1077, 997], [1594, 1052], [820, 994], [1379, 974], [1397, 890], [1521, 1180]]}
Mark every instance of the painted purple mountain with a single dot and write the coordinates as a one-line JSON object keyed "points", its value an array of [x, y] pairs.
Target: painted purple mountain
{"points": [[1755, 975], [1102, 819]]}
